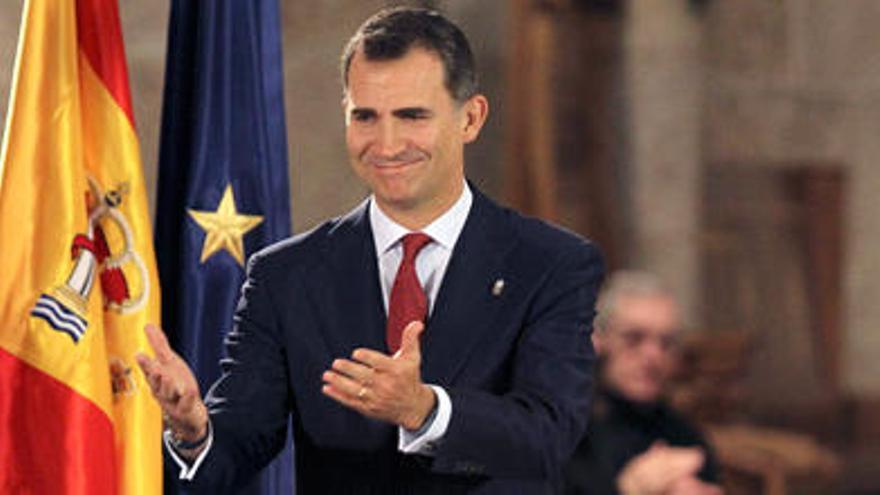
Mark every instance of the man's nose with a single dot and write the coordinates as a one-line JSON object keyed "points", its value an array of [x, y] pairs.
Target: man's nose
{"points": [[653, 348], [389, 141]]}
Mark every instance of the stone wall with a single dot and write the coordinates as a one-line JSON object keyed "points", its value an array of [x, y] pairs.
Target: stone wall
{"points": [[795, 81]]}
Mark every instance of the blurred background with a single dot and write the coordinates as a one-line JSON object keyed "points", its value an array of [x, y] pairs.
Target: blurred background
{"points": [[729, 146]]}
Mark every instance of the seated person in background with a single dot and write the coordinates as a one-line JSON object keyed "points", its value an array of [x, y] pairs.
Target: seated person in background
{"points": [[635, 443]]}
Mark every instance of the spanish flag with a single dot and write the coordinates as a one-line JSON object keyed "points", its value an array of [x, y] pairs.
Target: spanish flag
{"points": [[77, 272]]}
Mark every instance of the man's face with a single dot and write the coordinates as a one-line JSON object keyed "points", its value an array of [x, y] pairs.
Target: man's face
{"points": [[640, 346], [406, 134]]}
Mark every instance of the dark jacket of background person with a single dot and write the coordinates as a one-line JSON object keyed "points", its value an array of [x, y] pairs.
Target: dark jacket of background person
{"points": [[620, 430]]}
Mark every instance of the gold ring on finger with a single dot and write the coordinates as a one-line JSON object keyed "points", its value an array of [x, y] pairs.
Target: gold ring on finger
{"points": [[362, 393]]}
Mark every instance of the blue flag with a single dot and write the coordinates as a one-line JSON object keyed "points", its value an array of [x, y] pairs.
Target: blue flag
{"points": [[223, 182]]}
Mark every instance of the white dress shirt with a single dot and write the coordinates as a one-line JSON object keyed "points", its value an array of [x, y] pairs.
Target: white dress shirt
{"points": [[431, 265]]}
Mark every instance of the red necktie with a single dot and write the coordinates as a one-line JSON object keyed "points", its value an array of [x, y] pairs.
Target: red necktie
{"points": [[407, 302]]}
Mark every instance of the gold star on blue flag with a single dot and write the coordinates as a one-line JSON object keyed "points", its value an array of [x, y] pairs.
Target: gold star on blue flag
{"points": [[225, 228]]}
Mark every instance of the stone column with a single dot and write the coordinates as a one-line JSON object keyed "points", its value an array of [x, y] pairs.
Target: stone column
{"points": [[664, 79]]}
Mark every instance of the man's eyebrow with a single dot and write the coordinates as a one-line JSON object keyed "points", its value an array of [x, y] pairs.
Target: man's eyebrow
{"points": [[412, 112]]}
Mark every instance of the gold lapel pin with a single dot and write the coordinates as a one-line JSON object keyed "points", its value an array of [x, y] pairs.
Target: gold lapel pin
{"points": [[498, 287]]}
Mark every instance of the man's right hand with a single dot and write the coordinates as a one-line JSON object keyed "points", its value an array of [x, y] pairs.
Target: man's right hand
{"points": [[658, 470], [175, 387]]}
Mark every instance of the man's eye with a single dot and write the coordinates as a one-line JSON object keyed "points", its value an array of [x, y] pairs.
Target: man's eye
{"points": [[633, 339], [363, 116], [413, 115]]}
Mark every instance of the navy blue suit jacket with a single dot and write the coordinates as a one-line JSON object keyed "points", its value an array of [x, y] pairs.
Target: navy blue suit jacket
{"points": [[517, 365]]}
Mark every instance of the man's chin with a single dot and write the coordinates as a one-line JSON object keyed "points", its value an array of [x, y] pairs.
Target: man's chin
{"points": [[399, 201]]}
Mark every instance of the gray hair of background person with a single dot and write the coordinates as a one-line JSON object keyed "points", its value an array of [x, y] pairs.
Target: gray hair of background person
{"points": [[626, 283], [389, 34]]}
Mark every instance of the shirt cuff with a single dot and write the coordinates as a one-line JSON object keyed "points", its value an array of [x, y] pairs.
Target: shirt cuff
{"points": [[425, 439], [187, 470]]}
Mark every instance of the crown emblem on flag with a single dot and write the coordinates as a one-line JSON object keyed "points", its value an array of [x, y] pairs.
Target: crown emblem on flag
{"points": [[122, 382]]}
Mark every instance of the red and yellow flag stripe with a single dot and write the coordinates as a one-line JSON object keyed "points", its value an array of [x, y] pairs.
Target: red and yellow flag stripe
{"points": [[79, 279]]}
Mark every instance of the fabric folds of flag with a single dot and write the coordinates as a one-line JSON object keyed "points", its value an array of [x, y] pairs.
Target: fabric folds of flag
{"points": [[79, 279], [223, 182]]}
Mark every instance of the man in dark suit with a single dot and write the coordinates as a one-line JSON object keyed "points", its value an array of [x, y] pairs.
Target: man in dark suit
{"points": [[429, 341]]}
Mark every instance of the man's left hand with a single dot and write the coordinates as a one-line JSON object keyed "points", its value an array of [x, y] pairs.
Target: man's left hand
{"points": [[384, 387]]}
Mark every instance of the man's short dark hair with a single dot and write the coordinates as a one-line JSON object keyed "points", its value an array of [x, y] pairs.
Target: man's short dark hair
{"points": [[390, 33]]}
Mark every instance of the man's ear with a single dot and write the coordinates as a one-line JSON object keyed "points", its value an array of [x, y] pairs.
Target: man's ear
{"points": [[476, 110]]}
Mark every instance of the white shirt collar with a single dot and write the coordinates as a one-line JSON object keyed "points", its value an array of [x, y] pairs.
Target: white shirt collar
{"points": [[444, 230]]}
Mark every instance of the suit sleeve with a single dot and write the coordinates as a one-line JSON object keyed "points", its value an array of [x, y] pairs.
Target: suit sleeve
{"points": [[250, 404], [530, 430]]}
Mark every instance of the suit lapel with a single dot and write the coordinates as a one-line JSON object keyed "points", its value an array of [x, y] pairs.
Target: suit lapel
{"points": [[466, 305], [352, 291]]}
